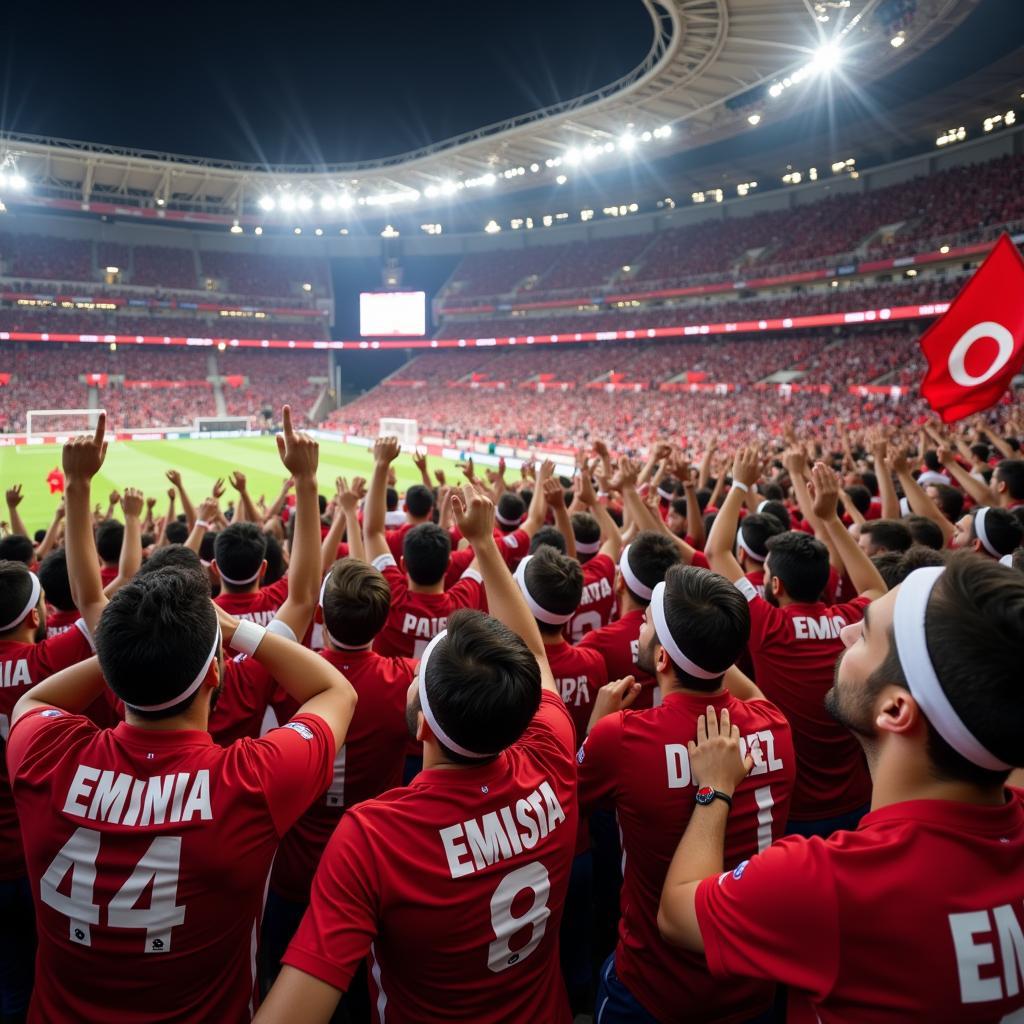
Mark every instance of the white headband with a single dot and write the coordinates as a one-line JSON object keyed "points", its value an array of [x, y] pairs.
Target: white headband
{"points": [[632, 581], [751, 553], [1007, 560], [588, 547], [539, 612], [667, 495], [190, 689], [506, 522], [912, 648], [241, 583], [428, 714], [761, 505], [330, 636], [979, 529], [33, 600], [668, 641]]}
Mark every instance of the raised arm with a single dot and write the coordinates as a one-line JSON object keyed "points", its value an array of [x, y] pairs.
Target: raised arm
{"points": [[82, 459], [385, 451], [162, 540], [722, 539], [795, 461], [205, 519], [538, 503], [919, 501], [246, 510], [131, 545], [72, 689], [555, 498], [612, 543], [886, 488], [474, 515], [419, 460], [186, 504], [861, 570], [279, 502], [14, 499], [694, 517], [49, 542], [979, 491]]}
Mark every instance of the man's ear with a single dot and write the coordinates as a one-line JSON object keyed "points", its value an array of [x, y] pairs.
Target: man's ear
{"points": [[897, 712]]}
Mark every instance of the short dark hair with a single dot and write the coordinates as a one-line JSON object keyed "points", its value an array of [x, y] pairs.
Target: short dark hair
{"points": [[419, 500], [391, 499], [53, 575], [920, 557], [870, 481], [860, 497], [678, 505], [240, 550], [982, 451], [651, 555], [708, 618], [771, 492], [109, 538], [556, 583], [756, 529], [891, 534], [931, 460], [925, 531], [357, 600], [178, 557], [801, 564], [177, 533], [781, 513], [585, 528], [39, 536], [973, 628], [1002, 528], [510, 507], [1011, 472], [548, 536], [949, 500], [484, 684], [15, 589], [890, 567], [154, 637], [276, 567], [703, 497], [427, 550], [17, 548]]}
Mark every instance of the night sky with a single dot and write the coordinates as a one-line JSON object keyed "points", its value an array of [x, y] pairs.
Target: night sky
{"points": [[304, 83]]}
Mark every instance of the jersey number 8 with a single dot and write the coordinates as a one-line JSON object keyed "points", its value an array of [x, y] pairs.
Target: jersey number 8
{"points": [[532, 877]]}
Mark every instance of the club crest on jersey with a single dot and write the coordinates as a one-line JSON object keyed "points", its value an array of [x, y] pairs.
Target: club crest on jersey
{"points": [[51, 713], [303, 730], [737, 872]]}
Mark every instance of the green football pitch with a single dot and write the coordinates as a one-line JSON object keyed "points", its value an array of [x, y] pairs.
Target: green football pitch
{"points": [[143, 464]]}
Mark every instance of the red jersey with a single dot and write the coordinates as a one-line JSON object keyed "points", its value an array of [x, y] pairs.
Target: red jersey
{"points": [[148, 853], [918, 915], [598, 601], [458, 563], [619, 644], [369, 763], [21, 667], [58, 621], [108, 573], [794, 650], [258, 606], [579, 673], [636, 763], [454, 885], [415, 618], [396, 539]]}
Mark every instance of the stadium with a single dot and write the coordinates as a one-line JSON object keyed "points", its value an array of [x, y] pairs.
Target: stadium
{"points": [[735, 285]]}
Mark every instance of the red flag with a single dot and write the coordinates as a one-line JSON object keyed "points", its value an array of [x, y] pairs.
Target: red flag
{"points": [[55, 479], [977, 347]]}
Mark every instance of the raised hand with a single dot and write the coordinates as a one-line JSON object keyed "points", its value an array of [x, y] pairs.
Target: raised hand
{"points": [[824, 489], [299, 452], [218, 487], [83, 456], [584, 487], [419, 460], [115, 497], [14, 496], [473, 513], [715, 758], [131, 502], [467, 468], [440, 477], [746, 466], [238, 481], [386, 450], [629, 472], [359, 486], [347, 497], [209, 510], [174, 476], [553, 492], [547, 470]]}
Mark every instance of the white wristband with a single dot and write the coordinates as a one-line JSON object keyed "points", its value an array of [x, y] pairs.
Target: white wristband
{"points": [[203, 523], [740, 486], [248, 637]]}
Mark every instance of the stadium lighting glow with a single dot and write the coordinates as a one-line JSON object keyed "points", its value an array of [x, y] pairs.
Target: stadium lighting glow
{"points": [[488, 179], [897, 40], [754, 119], [561, 179], [306, 286], [17, 182], [534, 168], [573, 157], [266, 203], [328, 202], [627, 142], [492, 227], [287, 203], [646, 137], [826, 59], [775, 91], [319, 232], [389, 232], [944, 249], [298, 231], [345, 201], [305, 203], [113, 270], [448, 188], [257, 230], [236, 228]]}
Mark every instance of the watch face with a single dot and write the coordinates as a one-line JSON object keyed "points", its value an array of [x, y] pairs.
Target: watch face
{"points": [[705, 795]]}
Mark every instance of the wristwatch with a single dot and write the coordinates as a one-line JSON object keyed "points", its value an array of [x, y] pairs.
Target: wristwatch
{"points": [[707, 795]]}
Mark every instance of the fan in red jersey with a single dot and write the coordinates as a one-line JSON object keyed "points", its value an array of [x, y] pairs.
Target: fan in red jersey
{"points": [[240, 562], [918, 914], [989, 532], [148, 847], [454, 885], [355, 606], [636, 763], [794, 641]]}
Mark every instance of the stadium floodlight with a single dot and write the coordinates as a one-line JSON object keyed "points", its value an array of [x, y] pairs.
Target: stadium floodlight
{"points": [[257, 230], [287, 202], [754, 120], [944, 249], [627, 142], [298, 231], [775, 91], [492, 227], [389, 232], [573, 156], [305, 203], [488, 179], [236, 228], [113, 270], [319, 232], [646, 137], [306, 286], [17, 182], [561, 179], [267, 203], [345, 201], [432, 191], [534, 168], [897, 40], [328, 202], [826, 59]]}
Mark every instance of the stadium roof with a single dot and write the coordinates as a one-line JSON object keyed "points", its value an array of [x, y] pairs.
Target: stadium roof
{"points": [[712, 65]]}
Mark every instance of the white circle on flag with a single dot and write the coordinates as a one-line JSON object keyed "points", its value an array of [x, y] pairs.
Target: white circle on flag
{"points": [[986, 329]]}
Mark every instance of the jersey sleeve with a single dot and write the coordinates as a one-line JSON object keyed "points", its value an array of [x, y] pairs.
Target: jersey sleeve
{"points": [[551, 733], [598, 764], [514, 547], [341, 922], [458, 563], [774, 917], [295, 764], [468, 592], [277, 591], [388, 568], [764, 618], [40, 733], [699, 560], [61, 651]]}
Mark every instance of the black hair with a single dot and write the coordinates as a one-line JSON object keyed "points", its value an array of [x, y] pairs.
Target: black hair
{"points": [[678, 505], [179, 558], [53, 575], [801, 564], [391, 499], [651, 555], [931, 460], [548, 536], [208, 547], [870, 482], [1002, 528], [15, 589], [925, 531], [585, 528], [321, 503], [890, 567], [556, 583], [756, 529], [781, 513], [890, 534], [357, 600], [17, 548], [484, 685], [39, 536], [709, 619], [949, 500], [771, 492], [154, 637], [427, 550], [177, 532], [974, 626], [1011, 472], [109, 538], [860, 496], [240, 550], [703, 497], [275, 561], [981, 451], [510, 507], [419, 501]]}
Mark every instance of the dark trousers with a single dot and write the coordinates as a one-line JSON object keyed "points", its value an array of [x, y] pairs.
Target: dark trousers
{"points": [[17, 947]]}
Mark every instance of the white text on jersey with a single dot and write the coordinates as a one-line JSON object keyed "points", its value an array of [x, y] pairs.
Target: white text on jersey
{"points": [[983, 938], [14, 673], [427, 629], [822, 627], [761, 745], [122, 799]]}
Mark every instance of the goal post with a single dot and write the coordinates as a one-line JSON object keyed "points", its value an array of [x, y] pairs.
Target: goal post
{"points": [[220, 424], [60, 422], [404, 430]]}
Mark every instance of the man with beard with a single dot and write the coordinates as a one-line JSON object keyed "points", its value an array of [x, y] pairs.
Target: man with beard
{"points": [[794, 641], [919, 913], [635, 762]]}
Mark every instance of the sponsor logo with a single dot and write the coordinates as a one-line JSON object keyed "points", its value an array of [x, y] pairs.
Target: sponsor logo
{"points": [[303, 730]]}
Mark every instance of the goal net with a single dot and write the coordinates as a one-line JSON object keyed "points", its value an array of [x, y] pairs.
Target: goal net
{"points": [[60, 423], [404, 430], [220, 424]]}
